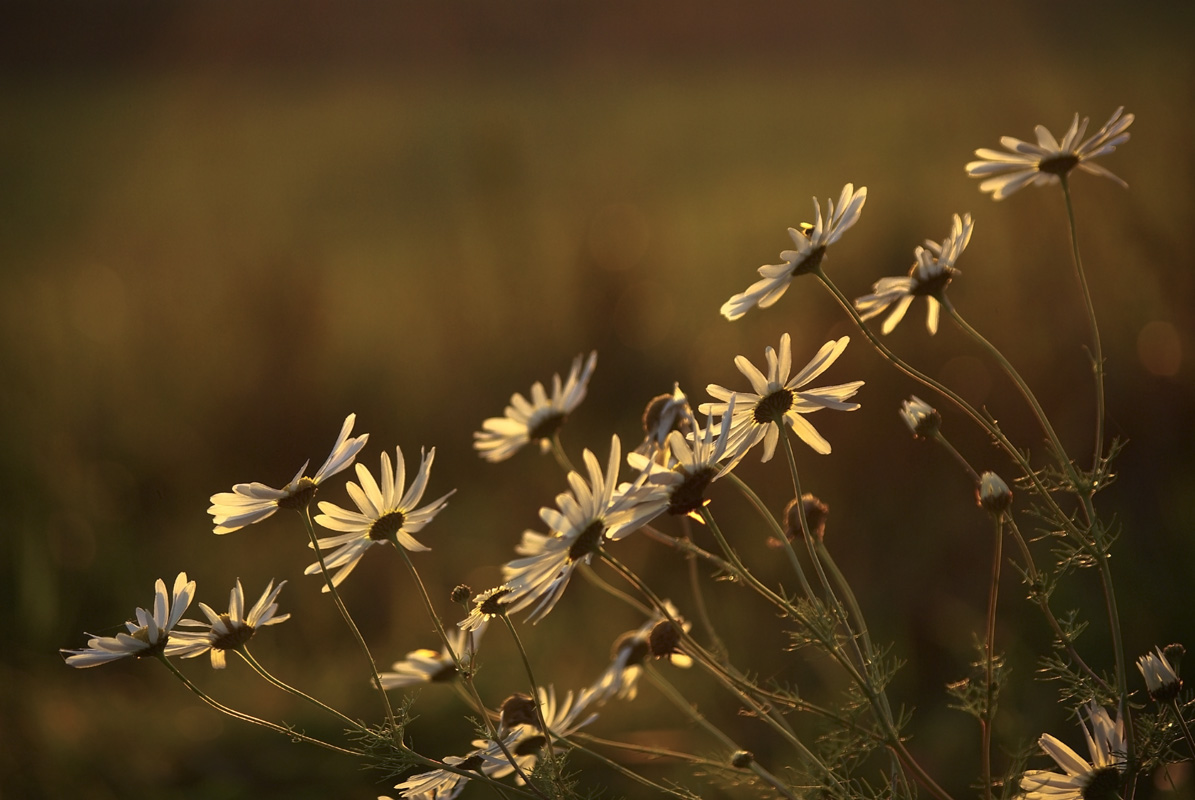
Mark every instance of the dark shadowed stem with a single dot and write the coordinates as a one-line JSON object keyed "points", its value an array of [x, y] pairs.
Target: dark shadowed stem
{"points": [[614, 765], [348, 620], [778, 531], [223, 709], [539, 714], [1097, 350], [679, 700], [1027, 393], [1037, 595], [1182, 723], [243, 652], [590, 575], [703, 614], [989, 646], [648, 750], [942, 440]]}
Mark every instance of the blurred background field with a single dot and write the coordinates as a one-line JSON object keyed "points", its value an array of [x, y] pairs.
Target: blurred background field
{"points": [[224, 226]]}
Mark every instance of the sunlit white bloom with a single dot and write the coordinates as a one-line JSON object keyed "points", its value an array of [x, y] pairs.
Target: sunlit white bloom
{"points": [[631, 651], [443, 784], [922, 418], [229, 631], [385, 514], [1161, 679], [587, 516], [149, 634], [486, 606], [810, 243], [536, 420], [777, 399], [933, 269], [686, 467], [1097, 780], [1043, 163], [993, 493], [248, 503], [433, 666]]}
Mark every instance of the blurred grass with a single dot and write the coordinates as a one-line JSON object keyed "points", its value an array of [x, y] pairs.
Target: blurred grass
{"points": [[209, 261]]}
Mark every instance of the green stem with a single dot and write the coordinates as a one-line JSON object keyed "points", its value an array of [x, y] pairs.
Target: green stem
{"points": [[777, 531], [243, 652], [703, 614], [1097, 354], [223, 709], [561, 456], [989, 710], [348, 620], [1027, 393], [1178, 715], [614, 765], [539, 714]]}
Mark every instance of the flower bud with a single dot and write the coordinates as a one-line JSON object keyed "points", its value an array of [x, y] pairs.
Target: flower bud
{"points": [[922, 418], [993, 493]]}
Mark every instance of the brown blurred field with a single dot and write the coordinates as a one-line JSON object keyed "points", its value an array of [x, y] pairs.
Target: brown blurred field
{"points": [[224, 226]]}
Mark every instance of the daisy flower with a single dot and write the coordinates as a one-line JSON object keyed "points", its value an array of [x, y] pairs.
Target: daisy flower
{"points": [[432, 666], [664, 414], [1097, 780], [1161, 679], [443, 784], [1048, 160], [229, 631], [810, 242], [776, 399], [922, 418], [149, 634], [932, 271], [536, 420], [385, 514], [631, 651], [248, 503], [683, 470], [561, 719], [486, 606], [588, 515]]}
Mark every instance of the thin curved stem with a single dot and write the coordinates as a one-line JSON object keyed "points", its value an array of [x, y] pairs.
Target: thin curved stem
{"points": [[348, 620], [1097, 350], [989, 710], [232, 712], [243, 652]]}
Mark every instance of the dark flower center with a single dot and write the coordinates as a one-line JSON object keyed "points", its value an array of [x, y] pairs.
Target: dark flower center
{"points": [[664, 638], [530, 745], [545, 426], [635, 646], [773, 407], [1058, 165], [1102, 785], [589, 541], [472, 763], [492, 605], [385, 526], [810, 262], [518, 709], [443, 674], [238, 634], [300, 496], [689, 495], [933, 285]]}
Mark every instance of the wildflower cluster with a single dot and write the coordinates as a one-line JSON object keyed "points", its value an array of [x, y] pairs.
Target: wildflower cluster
{"points": [[667, 492]]}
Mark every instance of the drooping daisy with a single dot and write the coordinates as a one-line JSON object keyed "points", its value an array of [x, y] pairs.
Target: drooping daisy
{"points": [[432, 666], [778, 400], [150, 634], [561, 719], [631, 651], [1097, 780], [536, 420], [443, 784], [664, 414], [932, 271], [1161, 680], [229, 631], [810, 242], [248, 503], [684, 472], [1045, 162], [488, 605], [385, 514], [588, 515]]}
